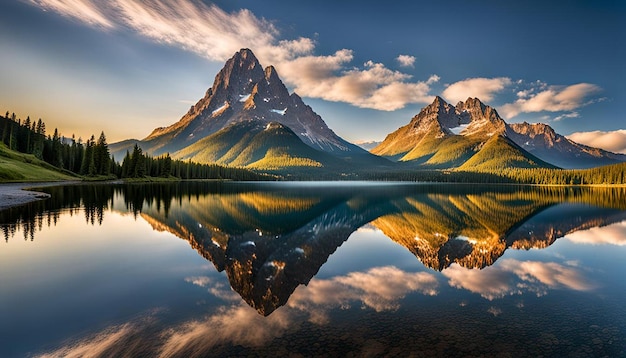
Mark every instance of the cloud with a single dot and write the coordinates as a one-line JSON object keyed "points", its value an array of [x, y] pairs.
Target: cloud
{"points": [[614, 141], [482, 88], [379, 288], [216, 35], [115, 341], [551, 99], [237, 325], [86, 11], [607, 235], [406, 60], [373, 86], [433, 79], [490, 283], [202, 281], [567, 115], [511, 277]]}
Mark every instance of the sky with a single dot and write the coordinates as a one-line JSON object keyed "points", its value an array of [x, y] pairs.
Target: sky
{"points": [[126, 67]]}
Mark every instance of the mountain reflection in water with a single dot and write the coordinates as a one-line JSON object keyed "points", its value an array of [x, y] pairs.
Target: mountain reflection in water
{"points": [[272, 237]]}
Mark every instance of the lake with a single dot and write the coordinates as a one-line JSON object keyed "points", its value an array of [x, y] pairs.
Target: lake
{"points": [[315, 269]]}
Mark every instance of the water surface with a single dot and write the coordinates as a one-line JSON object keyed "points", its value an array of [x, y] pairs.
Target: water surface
{"points": [[223, 269]]}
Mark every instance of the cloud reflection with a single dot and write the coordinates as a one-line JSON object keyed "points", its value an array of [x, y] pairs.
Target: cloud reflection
{"points": [[114, 341], [614, 234], [513, 277], [379, 288]]}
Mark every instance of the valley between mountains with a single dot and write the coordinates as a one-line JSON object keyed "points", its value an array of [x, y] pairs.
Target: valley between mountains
{"points": [[249, 119]]}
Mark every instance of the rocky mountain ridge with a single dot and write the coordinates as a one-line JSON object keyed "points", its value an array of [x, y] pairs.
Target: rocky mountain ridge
{"points": [[461, 131], [243, 91], [245, 97]]}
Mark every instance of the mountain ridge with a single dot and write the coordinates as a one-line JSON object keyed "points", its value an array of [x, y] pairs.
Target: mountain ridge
{"points": [[440, 136], [446, 136]]}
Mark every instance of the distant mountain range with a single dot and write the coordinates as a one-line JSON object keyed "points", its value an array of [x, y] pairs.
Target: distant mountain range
{"points": [[472, 135], [249, 119]]}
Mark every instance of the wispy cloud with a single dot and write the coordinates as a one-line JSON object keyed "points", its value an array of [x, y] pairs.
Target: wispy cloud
{"points": [[567, 115], [551, 99], [483, 88], [406, 60], [216, 35], [86, 11], [614, 141]]}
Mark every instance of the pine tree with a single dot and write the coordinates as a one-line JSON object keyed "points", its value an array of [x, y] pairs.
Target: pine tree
{"points": [[102, 156]]}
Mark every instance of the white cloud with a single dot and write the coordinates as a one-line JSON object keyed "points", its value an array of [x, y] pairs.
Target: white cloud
{"points": [[238, 325], [433, 79], [551, 99], [373, 86], [406, 60], [85, 11], [380, 288], [216, 35], [614, 234], [566, 115], [482, 88], [614, 141], [511, 277]]}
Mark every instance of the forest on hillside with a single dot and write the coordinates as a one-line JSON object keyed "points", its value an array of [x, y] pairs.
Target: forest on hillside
{"points": [[92, 157]]}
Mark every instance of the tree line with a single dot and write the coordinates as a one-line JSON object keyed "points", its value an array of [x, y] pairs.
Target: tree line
{"points": [[136, 164], [30, 137], [93, 159]]}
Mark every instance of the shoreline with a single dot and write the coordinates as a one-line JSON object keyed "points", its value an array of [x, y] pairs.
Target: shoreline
{"points": [[16, 194]]}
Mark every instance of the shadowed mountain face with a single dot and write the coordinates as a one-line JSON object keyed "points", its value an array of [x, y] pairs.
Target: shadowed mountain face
{"points": [[542, 141], [270, 238]]}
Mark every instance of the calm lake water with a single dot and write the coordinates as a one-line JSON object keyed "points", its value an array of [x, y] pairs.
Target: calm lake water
{"points": [[306, 269]]}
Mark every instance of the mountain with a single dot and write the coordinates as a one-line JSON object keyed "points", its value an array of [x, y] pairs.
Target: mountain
{"points": [[542, 141], [367, 145], [245, 93], [472, 135], [251, 144], [446, 136]]}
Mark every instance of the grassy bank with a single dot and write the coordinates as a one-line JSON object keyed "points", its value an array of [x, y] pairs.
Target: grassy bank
{"points": [[19, 167]]}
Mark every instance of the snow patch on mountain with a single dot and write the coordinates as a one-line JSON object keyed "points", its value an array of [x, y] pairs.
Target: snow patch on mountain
{"points": [[459, 129], [220, 110]]}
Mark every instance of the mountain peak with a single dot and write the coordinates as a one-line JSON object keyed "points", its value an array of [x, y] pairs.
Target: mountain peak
{"points": [[438, 101], [245, 91], [270, 73], [481, 117], [245, 53]]}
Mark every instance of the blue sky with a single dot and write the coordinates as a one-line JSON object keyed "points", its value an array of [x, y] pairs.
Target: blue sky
{"points": [[367, 67]]}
